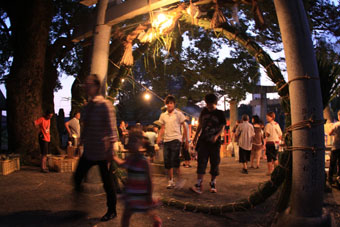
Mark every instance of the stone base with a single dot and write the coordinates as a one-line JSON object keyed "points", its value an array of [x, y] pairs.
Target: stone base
{"points": [[158, 168], [93, 183], [91, 188], [286, 219]]}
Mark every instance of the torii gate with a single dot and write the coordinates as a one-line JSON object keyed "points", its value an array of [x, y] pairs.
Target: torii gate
{"points": [[305, 98], [108, 14]]}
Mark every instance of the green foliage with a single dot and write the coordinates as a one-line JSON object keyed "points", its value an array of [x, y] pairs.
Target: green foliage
{"points": [[329, 72]]}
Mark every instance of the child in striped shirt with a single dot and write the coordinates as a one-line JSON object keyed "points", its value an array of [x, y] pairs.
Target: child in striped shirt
{"points": [[138, 188]]}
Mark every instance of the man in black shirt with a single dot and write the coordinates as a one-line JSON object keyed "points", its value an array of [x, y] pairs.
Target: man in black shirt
{"points": [[211, 125]]}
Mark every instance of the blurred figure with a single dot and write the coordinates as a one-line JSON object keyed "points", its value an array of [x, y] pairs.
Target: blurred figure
{"points": [[207, 142], [184, 149], [234, 140], [273, 136], [73, 129], [152, 137], [257, 143], [335, 152], [138, 188], [44, 125], [245, 132], [171, 122], [123, 132], [99, 136]]}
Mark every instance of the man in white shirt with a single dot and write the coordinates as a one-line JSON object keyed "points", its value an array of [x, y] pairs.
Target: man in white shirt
{"points": [[273, 135], [171, 122], [73, 129], [245, 133]]}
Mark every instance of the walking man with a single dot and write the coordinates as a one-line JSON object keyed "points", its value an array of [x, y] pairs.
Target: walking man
{"points": [[335, 152], [171, 122], [245, 132], [99, 136], [207, 142], [73, 129]]}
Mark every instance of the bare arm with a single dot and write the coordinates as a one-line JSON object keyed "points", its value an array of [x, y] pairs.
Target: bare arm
{"points": [[199, 128], [68, 128], [160, 134], [185, 135], [218, 134], [118, 160]]}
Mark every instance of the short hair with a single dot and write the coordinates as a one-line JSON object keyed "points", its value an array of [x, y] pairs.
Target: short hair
{"points": [[48, 112], [257, 119], [170, 98], [271, 114], [211, 99], [95, 79], [245, 117]]}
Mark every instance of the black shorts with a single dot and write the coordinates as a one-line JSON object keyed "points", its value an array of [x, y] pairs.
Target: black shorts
{"points": [[150, 151], [171, 154], [206, 151], [271, 152], [244, 155], [43, 146]]}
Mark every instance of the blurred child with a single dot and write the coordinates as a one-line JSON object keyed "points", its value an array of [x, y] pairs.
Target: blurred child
{"points": [[138, 188]]}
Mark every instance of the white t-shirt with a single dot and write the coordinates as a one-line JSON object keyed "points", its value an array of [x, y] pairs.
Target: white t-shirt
{"points": [[172, 125], [274, 131], [74, 126], [152, 136]]}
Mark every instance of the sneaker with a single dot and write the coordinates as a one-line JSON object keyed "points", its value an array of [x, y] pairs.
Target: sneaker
{"points": [[213, 187], [244, 171], [197, 188], [171, 184], [109, 215]]}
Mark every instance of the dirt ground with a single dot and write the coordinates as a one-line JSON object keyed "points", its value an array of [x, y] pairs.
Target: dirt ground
{"points": [[31, 198]]}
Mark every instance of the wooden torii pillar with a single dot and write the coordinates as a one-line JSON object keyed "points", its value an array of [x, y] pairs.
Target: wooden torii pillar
{"points": [[262, 90], [109, 13]]}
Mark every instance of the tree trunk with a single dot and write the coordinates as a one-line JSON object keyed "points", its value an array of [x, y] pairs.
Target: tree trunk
{"points": [[306, 103], [78, 93], [30, 21]]}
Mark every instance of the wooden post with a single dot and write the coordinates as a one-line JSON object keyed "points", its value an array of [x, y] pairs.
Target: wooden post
{"points": [[101, 46], [305, 98], [99, 64]]}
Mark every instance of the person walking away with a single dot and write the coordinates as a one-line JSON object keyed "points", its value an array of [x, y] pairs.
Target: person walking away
{"points": [[152, 137], [185, 151], [273, 136], [245, 132], [123, 133], [99, 136], [171, 121], [138, 187], [335, 152], [207, 142], [73, 129], [44, 125], [257, 143], [235, 141]]}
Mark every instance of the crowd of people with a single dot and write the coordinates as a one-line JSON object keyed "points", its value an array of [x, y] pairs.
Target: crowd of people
{"points": [[102, 140]]}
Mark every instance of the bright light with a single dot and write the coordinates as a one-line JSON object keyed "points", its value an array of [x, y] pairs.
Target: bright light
{"points": [[162, 22], [147, 96], [122, 80]]}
